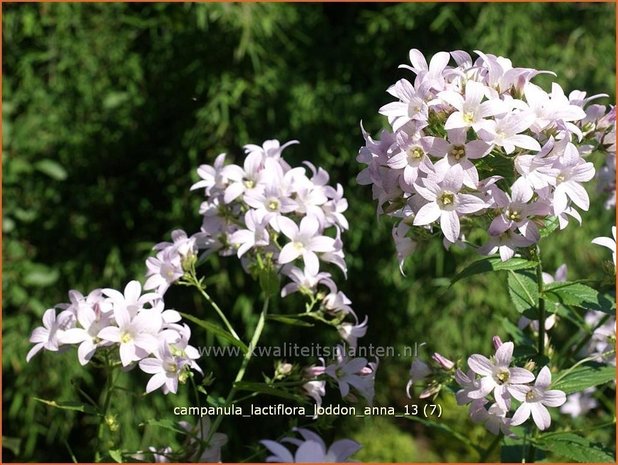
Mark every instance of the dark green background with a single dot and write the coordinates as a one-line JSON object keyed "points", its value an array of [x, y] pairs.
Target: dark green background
{"points": [[109, 108]]}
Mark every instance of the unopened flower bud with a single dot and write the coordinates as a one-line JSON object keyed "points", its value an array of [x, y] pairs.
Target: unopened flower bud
{"points": [[497, 342], [442, 361], [530, 365]]}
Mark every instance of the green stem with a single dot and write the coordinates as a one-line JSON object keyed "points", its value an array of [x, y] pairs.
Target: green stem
{"points": [[214, 305], [243, 367], [487, 452], [109, 387], [539, 281]]}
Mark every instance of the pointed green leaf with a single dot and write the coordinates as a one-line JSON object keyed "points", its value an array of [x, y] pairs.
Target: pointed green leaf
{"points": [[580, 295], [217, 330], [574, 447], [494, 264], [583, 377], [269, 390], [523, 289], [52, 169], [289, 321], [75, 406]]}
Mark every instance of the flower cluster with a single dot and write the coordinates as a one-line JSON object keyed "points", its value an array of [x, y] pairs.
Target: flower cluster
{"points": [[479, 146], [274, 218], [128, 328], [310, 449], [495, 382]]}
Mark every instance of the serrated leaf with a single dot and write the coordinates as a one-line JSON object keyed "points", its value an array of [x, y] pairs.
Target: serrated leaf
{"points": [[575, 447], [270, 390], [217, 330], [583, 377], [551, 224], [523, 290], [580, 295], [74, 406], [494, 264], [51, 168]]}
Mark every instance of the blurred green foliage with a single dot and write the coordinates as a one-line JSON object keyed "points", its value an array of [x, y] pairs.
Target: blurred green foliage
{"points": [[109, 108]]}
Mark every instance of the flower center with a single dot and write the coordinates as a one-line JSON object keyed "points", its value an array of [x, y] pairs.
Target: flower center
{"points": [[126, 337], [299, 246], [514, 215], [249, 183], [446, 199], [503, 376], [458, 152], [415, 154], [531, 396], [171, 367], [273, 205], [468, 117], [560, 178]]}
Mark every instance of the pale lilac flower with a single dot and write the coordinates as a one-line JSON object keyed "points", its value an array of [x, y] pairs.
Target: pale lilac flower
{"points": [[608, 242], [197, 434], [534, 400], [163, 270], [315, 389], [49, 336], [493, 418], [132, 300], [506, 132], [404, 245], [572, 170], [182, 245], [305, 242], [353, 372], [506, 244], [167, 368], [470, 112], [350, 332], [446, 203], [457, 151], [497, 375], [135, 335], [92, 321], [271, 204], [579, 403], [311, 449], [517, 212], [469, 383], [411, 157], [305, 282], [547, 108], [410, 107], [419, 371], [213, 177], [255, 235]]}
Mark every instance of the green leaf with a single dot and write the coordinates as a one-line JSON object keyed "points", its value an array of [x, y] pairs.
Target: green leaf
{"points": [[550, 226], [582, 377], [269, 390], [523, 289], [289, 321], [494, 264], [217, 330], [580, 295], [164, 424], [116, 455], [51, 168], [574, 447], [74, 406]]}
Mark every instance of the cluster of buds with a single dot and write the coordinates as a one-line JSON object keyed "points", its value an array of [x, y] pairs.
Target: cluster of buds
{"points": [[128, 329], [479, 146]]}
